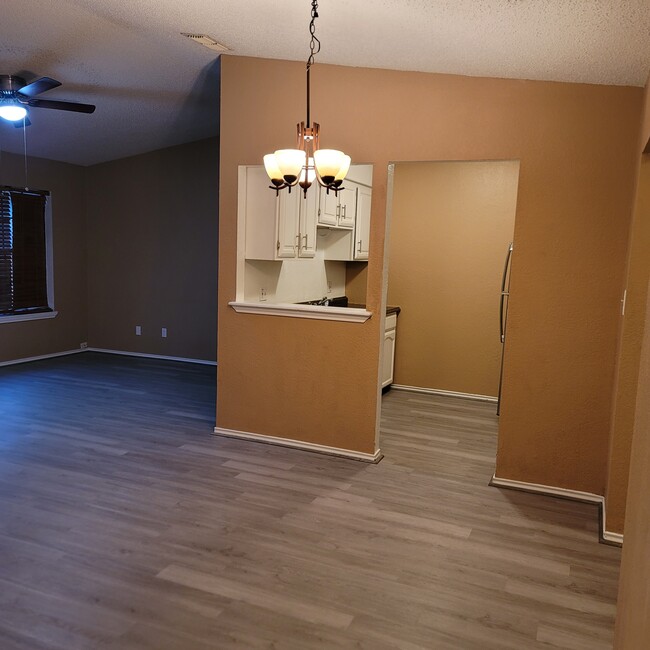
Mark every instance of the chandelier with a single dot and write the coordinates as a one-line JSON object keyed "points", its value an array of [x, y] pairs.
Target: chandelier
{"points": [[307, 162]]}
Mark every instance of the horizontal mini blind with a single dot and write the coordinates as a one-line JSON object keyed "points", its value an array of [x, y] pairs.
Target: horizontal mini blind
{"points": [[29, 254], [6, 265], [23, 252]]}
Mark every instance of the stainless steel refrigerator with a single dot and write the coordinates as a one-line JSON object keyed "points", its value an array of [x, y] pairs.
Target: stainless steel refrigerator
{"points": [[503, 315]]}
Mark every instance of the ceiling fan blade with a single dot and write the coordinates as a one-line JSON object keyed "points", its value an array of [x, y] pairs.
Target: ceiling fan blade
{"points": [[19, 123], [61, 106], [39, 86]]}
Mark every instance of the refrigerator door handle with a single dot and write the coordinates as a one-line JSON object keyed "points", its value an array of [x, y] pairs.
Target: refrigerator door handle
{"points": [[504, 294]]}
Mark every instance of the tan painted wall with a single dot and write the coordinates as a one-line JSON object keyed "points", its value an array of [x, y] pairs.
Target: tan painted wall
{"points": [[317, 381], [152, 251], [632, 328], [356, 281], [633, 620], [451, 224], [69, 328]]}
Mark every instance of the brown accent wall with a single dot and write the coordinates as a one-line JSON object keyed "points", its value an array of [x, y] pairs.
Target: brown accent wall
{"points": [[451, 224], [632, 620], [317, 381], [152, 251], [69, 329], [632, 327]]}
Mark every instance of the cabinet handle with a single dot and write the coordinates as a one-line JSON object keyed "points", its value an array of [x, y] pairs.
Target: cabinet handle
{"points": [[344, 207], [338, 210], [359, 247], [305, 238]]}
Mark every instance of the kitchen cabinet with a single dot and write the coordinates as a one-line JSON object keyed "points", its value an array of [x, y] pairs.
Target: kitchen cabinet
{"points": [[277, 227], [338, 210], [388, 359], [296, 219], [362, 223]]}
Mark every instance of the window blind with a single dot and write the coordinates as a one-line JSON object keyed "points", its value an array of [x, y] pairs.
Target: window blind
{"points": [[6, 266], [23, 253]]}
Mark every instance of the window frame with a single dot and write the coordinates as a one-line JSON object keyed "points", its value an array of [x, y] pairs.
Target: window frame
{"points": [[49, 264]]}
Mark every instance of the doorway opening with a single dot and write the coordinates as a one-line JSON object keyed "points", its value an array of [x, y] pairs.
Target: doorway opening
{"points": [[451, 233]]}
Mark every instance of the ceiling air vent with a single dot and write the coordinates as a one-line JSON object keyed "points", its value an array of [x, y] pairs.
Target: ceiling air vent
{"points": [[207, 41]]}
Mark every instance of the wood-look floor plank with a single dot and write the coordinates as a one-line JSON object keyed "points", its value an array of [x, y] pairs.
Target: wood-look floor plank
{"points": [[125, 526]]}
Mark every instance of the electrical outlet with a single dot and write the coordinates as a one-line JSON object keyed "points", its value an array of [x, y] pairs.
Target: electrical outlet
{"points": [[138, 330], [329, 286], [83, 346], [262, 294], [163, 332]]}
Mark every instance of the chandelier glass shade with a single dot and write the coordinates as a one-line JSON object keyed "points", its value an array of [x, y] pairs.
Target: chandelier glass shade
{"points": [[307, 162]]}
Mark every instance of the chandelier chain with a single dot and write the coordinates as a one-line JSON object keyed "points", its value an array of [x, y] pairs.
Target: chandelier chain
{"points": [[314, 43]]}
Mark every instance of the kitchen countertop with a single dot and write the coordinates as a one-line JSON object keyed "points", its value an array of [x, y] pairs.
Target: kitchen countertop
{"points": [[390, 309]]}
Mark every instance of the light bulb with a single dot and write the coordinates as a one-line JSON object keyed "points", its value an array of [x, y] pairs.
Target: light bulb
{"points": [[12, 112]]}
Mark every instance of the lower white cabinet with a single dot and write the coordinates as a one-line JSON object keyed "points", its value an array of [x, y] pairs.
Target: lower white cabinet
{"points": [[277, 227], [388, 363]]}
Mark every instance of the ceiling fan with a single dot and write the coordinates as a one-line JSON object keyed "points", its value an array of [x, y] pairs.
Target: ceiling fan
{"points": [[16, 96]]}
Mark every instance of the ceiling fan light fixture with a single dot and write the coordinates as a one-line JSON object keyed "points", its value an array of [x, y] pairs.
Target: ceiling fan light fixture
{"points": [[12, 111]]}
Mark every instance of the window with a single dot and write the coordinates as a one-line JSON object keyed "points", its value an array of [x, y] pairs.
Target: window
{"points": [[25, 254]]}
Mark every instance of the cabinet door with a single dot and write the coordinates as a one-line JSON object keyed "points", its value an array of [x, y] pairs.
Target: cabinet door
{"points": [[328, 209], [288, 220], [362, 226], [348, 205], [308, 219], [388, 362], [259, 206]]}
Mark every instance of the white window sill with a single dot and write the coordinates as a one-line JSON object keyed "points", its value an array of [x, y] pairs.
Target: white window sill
{"points": [[22, 317], [318, 312]]}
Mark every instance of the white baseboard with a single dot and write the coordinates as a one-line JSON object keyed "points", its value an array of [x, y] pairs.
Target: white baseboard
{"points": [[144, 355], [564, 493], [299, 444], [612, 538], [39, 357], [448, 393]]}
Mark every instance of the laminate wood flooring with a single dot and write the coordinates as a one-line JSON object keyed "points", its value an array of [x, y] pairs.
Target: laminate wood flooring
{"points": [[124, 525]]}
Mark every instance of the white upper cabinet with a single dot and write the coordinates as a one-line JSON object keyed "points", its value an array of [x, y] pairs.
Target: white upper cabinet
{"points": [[337, 210], [288, 216], [259, 205], [362, 227], [307, 223], [348, 203], [328, 210], [277, 227]]}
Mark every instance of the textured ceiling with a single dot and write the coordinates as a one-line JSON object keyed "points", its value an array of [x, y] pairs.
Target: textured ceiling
{"points": [[155, 88]]}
